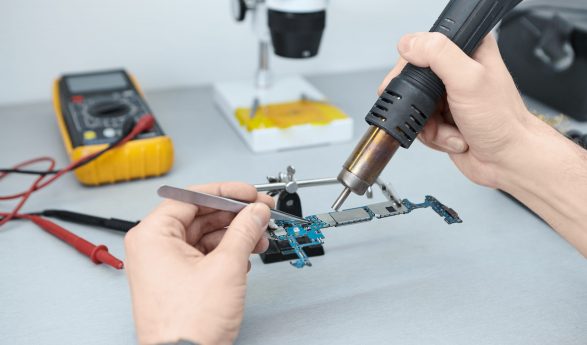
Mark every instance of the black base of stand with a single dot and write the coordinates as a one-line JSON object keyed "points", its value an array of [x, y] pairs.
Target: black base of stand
{"points": [[289, 203], [274, 253]]}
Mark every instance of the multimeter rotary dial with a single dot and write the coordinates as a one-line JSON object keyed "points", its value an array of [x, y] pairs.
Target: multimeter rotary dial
{"points": [[108, 111]]}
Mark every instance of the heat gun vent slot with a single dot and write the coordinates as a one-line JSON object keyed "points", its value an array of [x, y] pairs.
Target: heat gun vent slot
{"points": [[415, 121], [407, 125], [386, 100], [380, 107], [393, 94], [419, 112], [380, 117], [401, 132]]}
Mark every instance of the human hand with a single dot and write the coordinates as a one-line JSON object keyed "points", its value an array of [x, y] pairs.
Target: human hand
{"points": [[188, 273], [483, 116]]}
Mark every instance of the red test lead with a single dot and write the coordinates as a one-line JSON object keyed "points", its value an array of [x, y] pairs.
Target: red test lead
{"points": [[98, 254]]}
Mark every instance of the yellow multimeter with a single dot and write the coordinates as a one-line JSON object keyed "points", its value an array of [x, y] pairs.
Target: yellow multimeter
{"points": [[91, 109]]}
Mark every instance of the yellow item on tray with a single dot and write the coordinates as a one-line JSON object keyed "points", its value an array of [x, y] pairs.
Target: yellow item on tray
{"points": [[286, 115]]}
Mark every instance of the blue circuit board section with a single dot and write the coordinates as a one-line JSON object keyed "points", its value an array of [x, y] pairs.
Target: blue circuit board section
{"points": [[292, 232], [450, 216]]}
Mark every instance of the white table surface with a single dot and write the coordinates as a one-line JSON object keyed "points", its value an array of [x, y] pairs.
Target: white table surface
{"points": [[501, 277]]}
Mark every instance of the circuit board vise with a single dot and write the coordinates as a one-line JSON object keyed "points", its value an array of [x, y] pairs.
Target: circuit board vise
{"points": [[296, 240]]}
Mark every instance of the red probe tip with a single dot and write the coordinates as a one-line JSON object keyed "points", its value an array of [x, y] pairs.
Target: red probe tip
{"points": [[100, 255]]}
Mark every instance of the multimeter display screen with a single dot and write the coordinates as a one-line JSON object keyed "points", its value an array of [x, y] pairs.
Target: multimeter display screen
{"points": [[98, 82]]}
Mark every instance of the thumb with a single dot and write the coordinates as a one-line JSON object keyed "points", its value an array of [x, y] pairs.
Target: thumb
{"points": [[446, 59], [245, 231]]}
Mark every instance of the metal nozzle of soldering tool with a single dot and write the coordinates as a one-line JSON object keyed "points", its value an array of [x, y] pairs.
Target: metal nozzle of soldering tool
{"points": [[366, 163], [406, 104]]}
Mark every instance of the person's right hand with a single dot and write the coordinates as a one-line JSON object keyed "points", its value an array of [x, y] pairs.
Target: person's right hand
{"points": [[493, 138], [484, 115]]}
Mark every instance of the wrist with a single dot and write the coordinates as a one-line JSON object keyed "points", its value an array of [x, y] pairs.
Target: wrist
{"points": [[548, 173], [536, 146]]}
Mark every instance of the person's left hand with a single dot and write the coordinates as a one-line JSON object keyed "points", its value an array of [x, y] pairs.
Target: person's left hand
{"points": [[188, 272]]}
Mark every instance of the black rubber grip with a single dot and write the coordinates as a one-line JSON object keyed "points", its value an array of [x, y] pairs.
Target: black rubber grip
{"points": [[412, 97]]}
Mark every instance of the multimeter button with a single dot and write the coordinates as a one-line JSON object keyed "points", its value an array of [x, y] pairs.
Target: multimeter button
{"points": [[109, 132], [77, 99], [89, 135]]}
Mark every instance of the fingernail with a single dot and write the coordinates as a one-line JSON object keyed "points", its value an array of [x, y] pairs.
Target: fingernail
{"points": [[406, 44], [457, 145]]}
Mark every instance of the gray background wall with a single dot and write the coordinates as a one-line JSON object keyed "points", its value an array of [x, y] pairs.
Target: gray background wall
{"points": [[175, 43]]}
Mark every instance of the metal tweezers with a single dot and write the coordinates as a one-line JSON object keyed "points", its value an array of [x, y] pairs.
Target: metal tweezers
{"points": [[219, 203]]}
